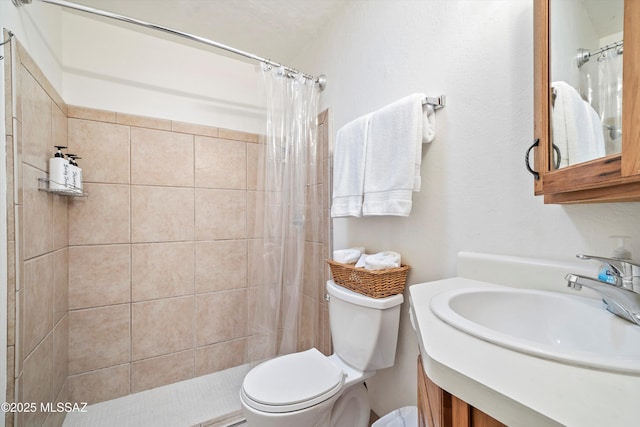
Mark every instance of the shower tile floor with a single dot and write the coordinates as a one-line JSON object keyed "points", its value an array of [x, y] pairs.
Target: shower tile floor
{"points": [[209, 400]]}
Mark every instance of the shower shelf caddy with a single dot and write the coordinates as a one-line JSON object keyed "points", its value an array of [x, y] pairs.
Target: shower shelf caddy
{"points": [[43, 185]]}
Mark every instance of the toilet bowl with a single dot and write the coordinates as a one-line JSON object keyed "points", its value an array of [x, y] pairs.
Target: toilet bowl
{"points": [[309, 389]]}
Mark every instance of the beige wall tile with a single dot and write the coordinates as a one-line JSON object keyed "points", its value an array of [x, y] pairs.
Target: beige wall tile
{"points": [[20, 340], [11, 368], [161, 327], [221, 316], [56, 419], [216, 357], [255, 214], [60, 222], [257, 273], [237, 135], [38, 215], [37, 141], [314, 214], [104, 148], [91, 114], [255, 154], [60, 284], [162, 270], [161, 158], [100, 385], [307, 323], [59, 128], [220, 214], [163, 370], [11, 293], [194, 129], [312, 283], [38, 380], [38, 302], [161, 214], [221, 265], [143, 122], [17, 161], [99, 275], [101, 218], [98, 338], [60, 355], [32, 67], [220, 163]]}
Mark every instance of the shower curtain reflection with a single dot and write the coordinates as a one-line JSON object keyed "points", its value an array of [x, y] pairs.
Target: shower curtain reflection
{"points": [[601, 86], [285, 197]]}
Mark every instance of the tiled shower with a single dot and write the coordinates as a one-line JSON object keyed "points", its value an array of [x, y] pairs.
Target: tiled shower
{"points": [[146, 281]]}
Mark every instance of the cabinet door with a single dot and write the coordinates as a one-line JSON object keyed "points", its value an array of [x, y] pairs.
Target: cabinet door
{"points": [[434, 404], [438, 408], [612, 178]]}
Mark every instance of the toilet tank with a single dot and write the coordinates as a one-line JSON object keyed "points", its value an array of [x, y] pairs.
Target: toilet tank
{"points": [[364, 330]]}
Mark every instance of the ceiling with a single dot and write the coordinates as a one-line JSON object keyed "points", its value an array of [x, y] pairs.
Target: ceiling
{"points": [[606, 15], [272, 29]]}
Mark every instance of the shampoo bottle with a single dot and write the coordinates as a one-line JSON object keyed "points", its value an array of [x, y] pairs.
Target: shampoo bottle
{"points": [[620, 252], [58, 170], [74, 173]]}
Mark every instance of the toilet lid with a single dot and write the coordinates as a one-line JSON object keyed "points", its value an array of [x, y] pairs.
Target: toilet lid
{"points": [[292, 382]]}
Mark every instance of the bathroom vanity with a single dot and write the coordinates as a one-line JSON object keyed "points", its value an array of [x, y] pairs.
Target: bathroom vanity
{"points": [[519, 376], [438, 408]]}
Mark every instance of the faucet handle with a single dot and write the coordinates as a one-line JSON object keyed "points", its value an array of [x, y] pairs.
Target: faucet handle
{"points": [[617, 265], [625, 270]]}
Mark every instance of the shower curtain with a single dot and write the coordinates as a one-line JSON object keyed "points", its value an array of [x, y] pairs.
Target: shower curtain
{"points": [[287, 167], [601, 86]]}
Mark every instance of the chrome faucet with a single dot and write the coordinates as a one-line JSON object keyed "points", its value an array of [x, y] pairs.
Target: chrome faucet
{"points": [[619, 297]]}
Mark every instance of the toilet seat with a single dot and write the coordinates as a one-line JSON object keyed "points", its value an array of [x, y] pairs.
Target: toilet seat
{"points": [[292, 382]]}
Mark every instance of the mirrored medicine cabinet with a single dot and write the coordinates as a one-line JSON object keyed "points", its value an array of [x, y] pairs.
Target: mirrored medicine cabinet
{"points": [[586, 144]]}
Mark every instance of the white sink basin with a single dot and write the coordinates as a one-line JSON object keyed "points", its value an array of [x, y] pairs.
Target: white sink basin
{"points": [[570, 329]]}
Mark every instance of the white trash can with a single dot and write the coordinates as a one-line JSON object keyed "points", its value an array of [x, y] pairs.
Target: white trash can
{"points": [[403, 417]]}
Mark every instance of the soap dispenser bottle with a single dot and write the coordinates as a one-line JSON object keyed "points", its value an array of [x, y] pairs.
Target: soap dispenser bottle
{"points": [[76, 174], [621, 252], [59, 170]]}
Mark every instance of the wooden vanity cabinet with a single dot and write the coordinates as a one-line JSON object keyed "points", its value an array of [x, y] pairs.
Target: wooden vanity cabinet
{"points": [[438, 408], [614, 178]]}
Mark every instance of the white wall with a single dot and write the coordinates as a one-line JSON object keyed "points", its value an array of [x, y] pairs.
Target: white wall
{"points": [[571, 28], [119, 67], [476, 194]]}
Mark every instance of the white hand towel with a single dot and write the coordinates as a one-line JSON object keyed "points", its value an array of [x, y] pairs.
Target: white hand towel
{"points": [[429, 124], [348, 168], [576, 126], [393, 157], [562, 119], [347, 256], [382, 260]]}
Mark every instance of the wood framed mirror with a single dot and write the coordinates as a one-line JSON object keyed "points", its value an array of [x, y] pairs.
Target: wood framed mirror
{"points": [[613, 173]]}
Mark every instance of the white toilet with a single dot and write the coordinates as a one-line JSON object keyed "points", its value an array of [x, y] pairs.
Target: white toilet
{"points": [[309, 389]]}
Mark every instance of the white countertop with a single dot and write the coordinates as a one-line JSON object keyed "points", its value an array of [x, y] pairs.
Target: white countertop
{"points": [[513, 387]]}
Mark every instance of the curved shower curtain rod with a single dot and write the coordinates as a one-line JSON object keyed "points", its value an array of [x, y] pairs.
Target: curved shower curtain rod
{"points": [[321, 80]]}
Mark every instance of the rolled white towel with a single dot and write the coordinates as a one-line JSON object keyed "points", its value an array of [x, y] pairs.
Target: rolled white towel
{"points": [[362, 261], [382, 260], [347, 256]]}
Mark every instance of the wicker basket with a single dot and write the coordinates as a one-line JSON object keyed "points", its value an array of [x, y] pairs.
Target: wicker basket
{"points": [[372, 283]]}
